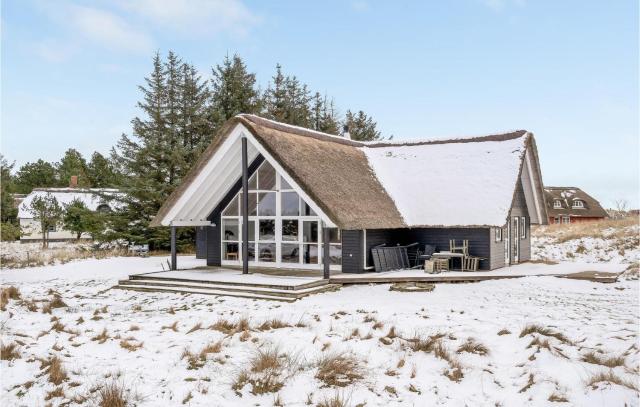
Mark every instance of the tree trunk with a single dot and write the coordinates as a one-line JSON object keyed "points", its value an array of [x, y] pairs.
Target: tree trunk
{"points": [[45, 234]]}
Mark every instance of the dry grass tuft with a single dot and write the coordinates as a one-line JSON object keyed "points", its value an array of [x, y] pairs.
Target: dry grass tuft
{"points": [[57, 302], [611, 377], [130, 345], [535, 328], [473, 346], [504, 332], [433, 344], [173, 327], [102, 337], [267, 371], [558, 398], [274, 323], [6, 294], [113, 394], [599, 359], [196, 327], [339, 369], [55, 393], [196, 361], [134, 328], [55, 370], [530, 382], [337, 400], [9, 351]]}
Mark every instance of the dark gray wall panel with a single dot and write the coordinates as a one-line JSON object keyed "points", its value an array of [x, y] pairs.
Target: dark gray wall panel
{"points": [[352, 251]]}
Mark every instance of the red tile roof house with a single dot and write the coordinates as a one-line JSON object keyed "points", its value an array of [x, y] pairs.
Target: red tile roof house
{"points": [[572, 205], [318, 201]]}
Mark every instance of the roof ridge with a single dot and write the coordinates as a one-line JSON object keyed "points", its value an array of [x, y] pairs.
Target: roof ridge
{"points": [[303, 131]]}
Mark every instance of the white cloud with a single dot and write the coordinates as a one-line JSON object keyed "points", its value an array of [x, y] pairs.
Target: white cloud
{"points": [[52, 50], [108, 29], [195, 16]]}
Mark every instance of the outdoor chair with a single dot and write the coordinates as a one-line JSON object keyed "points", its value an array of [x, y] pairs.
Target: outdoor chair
{"points": [[423, 255]]}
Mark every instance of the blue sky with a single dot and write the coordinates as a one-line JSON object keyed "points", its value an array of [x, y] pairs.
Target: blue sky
{"points": [[565, 70]]}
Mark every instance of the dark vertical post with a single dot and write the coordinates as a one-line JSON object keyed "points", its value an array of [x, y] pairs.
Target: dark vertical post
{"points": [[174, 256], [326, 252], [245, 208]]}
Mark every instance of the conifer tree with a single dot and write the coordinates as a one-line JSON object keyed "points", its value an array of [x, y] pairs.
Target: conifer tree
{"points": [[48, 213], [324, 115], [40, 174], [73, 163], [361, 126], [233, 90], [195, 127], [102, 172], [9, 228], [275, 97]]}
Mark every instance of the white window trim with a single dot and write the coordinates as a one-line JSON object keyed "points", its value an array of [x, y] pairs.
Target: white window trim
{"points": [[278, 218], [523, 227], [557, 204], [498, 234], [567, 217], [578, 204]]}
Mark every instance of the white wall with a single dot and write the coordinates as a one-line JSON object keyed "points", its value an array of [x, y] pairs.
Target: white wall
{"points": [[31, 231]]}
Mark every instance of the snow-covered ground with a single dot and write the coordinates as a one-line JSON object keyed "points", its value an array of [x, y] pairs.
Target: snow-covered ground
{"points": [[356, 320]]}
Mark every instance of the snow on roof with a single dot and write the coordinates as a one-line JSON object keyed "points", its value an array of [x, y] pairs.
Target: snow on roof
{"points": [[92, 198], [450, 184]]}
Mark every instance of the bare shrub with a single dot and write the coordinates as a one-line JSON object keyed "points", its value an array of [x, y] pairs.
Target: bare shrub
{"points": [[339, 369], [599, 359], [473, 346], [535, 328], [9, 351], [611, 377]]}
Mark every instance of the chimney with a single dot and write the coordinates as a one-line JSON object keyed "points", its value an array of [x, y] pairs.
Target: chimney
{"points": [[73, 182], [345, 132]]}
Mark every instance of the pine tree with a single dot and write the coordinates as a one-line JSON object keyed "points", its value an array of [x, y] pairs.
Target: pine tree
{"points": [[233, 90], [361, 126], [102, 172], [275, 97], [48, 212], [9, 228], [40, 174], [324, 115], [73, 164], [76, 217], [195, 127]]}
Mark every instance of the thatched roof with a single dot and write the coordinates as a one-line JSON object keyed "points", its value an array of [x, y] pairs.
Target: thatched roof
{"points": [[351, 187], [567, 196]]}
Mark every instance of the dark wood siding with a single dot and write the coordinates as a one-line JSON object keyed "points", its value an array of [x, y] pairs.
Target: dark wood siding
{"points": [[519, 209], [352, 246], [214, 255], [201, 242], [496, 259]]}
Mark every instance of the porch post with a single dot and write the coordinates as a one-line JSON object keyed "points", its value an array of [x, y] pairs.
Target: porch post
{"points": [[174, 257], [326, 258], [245, 208]]}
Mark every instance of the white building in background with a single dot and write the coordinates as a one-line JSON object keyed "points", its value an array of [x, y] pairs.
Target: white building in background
{"points": [[95, 199]]}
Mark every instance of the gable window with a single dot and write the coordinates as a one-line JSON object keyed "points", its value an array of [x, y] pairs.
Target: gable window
{"points": [[578, 204], [523, 227], [557, 204], [498, 234], [283, 229]]}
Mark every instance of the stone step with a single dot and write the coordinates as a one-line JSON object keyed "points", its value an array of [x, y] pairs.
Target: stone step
{"points": [[239, 288], [150, 276]]}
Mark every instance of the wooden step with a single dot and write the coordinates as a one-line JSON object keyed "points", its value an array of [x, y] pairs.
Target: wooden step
{"points": [[246, 292], [150, 276], [240, 288]]}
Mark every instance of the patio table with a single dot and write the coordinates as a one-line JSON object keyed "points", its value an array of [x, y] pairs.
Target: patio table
{"points": [[451, 255]]}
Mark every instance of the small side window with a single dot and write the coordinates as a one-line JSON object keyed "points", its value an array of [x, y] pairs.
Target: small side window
{"points": [[498, 234], [557, 204], [523, 227]]}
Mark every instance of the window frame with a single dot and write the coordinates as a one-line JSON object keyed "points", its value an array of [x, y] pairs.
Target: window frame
{"points": [[578, 204], [557, 204], [497, 234], [523, 227], [282, 187], [565, 217]]}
